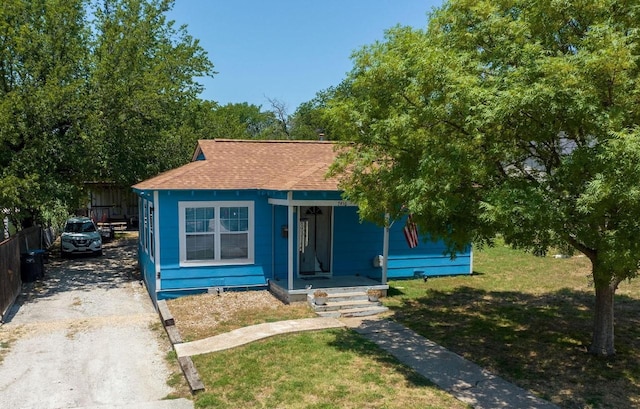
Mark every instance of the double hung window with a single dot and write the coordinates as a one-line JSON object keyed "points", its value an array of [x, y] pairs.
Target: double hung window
{"points": [[216, 232]]}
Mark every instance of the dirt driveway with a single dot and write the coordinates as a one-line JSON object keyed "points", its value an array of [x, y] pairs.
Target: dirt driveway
{"points": [[84, 338]]}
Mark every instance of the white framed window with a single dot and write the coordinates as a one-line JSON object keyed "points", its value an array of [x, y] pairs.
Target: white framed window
{"points": [[216, 233], [145, 228], [140, 225], [151, 227]]}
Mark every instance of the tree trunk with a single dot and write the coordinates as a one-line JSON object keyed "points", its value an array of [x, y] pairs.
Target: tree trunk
{"points": [[602, 342]]}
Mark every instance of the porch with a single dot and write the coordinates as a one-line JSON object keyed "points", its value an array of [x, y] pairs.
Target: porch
{"points": [[335, 284]]}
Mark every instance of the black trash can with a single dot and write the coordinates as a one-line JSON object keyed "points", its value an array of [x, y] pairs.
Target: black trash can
{"points": [[31, 265]]}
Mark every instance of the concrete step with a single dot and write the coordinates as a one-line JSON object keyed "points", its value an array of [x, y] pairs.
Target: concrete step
{"points": [[343, 290], [348, 296], [347, 304], [341, 305], [342, 296], [354, 312]]}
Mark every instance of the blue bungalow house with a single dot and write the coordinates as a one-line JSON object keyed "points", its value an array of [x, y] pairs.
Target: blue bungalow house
{"points": [[263, 214]]}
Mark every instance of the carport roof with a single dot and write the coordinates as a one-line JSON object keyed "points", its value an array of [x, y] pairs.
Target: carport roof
{"points": [[226, 164]]}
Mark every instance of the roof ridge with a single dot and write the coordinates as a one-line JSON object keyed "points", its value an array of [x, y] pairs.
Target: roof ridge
{"points": [[267, 141]]}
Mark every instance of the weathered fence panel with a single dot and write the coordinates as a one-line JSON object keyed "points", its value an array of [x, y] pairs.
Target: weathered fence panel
{"points": [[10, 251], [10, 281]]}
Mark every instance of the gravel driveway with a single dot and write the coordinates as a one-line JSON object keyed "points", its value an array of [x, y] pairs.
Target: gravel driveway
{"points": [[83, 338]]}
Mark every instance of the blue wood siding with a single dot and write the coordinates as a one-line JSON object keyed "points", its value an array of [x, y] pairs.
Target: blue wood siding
{"points": [[147, 265], [280, 260], [316, 196], [175, 278], [427, 259], [355, 245]]}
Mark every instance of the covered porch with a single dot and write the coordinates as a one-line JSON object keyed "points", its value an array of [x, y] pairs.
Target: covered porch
{"points": [[320, 243], [304, 286]]}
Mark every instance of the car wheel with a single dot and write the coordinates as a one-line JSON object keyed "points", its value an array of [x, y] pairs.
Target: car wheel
{"points": [[98, 253]]}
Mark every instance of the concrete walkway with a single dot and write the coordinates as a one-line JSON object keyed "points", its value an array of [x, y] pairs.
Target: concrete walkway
{"points": [[462, 378], [246, 335]]}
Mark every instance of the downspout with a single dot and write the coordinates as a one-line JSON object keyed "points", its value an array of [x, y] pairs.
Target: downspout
{"points": [[290, 241]]}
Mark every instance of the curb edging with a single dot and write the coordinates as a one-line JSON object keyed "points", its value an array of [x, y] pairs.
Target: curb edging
{"points": [[186, 364]]}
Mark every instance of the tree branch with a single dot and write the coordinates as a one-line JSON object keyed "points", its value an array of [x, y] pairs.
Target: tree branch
{"points": [[587, 251]]}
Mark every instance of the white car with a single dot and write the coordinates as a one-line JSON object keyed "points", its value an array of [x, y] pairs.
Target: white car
{"points": [[80, 235]]}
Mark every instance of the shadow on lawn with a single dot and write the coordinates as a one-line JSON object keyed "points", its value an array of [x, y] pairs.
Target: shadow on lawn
{"points": [[538, 342], [356, 343]]}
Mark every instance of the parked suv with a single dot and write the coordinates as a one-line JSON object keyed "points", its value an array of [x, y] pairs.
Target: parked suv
{"points": [[80, 235]]}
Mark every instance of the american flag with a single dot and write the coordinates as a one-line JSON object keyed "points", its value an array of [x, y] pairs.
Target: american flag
{"points": [[411, 233]]}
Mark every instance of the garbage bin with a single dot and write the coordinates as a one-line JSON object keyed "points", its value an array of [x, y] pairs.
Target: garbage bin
{"points": [[32, 265], [41, 259]]}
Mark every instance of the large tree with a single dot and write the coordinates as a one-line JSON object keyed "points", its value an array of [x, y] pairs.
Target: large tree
{"points": [[44, 103], [145, 89], [101, 99], [243, 121], [507, 116], [310, 119]]}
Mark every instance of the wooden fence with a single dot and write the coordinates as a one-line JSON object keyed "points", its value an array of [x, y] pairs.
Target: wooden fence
{"points": [[10, 251]]}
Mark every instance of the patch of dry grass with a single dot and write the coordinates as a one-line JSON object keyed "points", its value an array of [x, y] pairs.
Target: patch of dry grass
{"points": [[205, 315]]}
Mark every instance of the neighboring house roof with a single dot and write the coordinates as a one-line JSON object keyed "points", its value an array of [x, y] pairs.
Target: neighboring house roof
{"points": [[252, 164]]}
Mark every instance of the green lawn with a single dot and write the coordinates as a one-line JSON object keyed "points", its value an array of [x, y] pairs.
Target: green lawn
{"points": [[528, 319], [322, 369], [331, 369], [525, 318]]}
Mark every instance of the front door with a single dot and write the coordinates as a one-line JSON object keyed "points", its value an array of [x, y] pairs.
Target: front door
{"points": [[315, 241]]}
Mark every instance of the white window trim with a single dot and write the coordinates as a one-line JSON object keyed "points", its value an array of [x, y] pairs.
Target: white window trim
{"points": [[145, 229], [152, 235], [216, 205]]}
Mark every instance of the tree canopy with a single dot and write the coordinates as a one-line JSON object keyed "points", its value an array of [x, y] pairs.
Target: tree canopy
{"points": [[44, 103], [92, 91], [506, 117]]}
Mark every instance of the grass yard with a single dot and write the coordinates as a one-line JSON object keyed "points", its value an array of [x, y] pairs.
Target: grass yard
{"points": [[525, 318], [529, 320], [315, 370], [333, 369]]}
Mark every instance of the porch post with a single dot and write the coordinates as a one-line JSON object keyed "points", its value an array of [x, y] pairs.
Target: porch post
{"points": [[385, 249], [290, 241]]}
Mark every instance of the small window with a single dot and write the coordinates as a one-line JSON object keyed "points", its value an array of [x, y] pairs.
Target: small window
{"points": [[151, 242], [145, 230], [216, 232]]}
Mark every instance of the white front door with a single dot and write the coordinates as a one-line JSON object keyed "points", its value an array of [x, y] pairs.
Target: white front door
{"points": [[315, 241]]}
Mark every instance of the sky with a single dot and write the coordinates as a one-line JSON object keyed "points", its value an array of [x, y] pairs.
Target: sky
{"points": [[287, 50]]}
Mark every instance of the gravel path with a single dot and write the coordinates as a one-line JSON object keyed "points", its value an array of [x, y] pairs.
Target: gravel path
{"points": [[83, 338]]}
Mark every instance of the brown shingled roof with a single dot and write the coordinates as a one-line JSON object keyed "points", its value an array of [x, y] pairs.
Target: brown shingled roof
{"points": [[248, 164]]}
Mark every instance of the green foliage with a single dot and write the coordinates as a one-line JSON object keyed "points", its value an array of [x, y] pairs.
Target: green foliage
{"points": [[145, 89], [43, 104], [504, 116], [243, 121], [309, 120], [84, 100]]}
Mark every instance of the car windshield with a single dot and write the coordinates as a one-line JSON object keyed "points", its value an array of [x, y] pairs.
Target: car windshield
{"points": [[79, 227]]}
